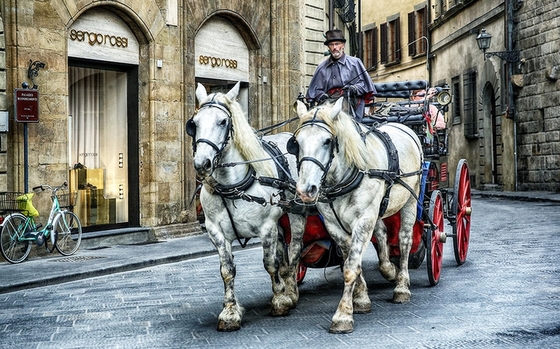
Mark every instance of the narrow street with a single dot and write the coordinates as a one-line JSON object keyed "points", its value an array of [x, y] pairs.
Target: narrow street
{"points": [[506, 295]]}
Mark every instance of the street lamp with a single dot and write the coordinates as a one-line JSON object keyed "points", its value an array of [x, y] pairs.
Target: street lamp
{"points": [[484, 39]]}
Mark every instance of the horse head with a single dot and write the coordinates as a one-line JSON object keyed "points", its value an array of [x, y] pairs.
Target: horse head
{"points": [[211, 128], [315, 145]]}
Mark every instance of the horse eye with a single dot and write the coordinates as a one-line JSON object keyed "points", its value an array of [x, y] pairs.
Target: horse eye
{"points": [[223, 122], [327, 142]]}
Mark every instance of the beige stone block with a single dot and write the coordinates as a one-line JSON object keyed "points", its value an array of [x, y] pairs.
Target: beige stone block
{"points": [[3, 162], [3, 101], [3, 142], [2, 80], [3, 182], [167, 171]]}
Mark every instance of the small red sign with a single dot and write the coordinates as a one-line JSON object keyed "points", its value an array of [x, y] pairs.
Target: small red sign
{"points": [[26, 104]]}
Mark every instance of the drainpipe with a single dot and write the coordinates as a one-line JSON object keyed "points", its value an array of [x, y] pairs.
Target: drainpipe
{"points": [[511, 103], [331, 14]]}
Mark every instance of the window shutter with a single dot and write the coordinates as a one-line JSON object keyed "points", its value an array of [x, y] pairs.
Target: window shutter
{"points": [[411, 34], [398, 39], [384, 43]]}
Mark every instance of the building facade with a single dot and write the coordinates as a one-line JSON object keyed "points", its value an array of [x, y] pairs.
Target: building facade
{"points": [[113, 83], [504, 118], [538, 95]]}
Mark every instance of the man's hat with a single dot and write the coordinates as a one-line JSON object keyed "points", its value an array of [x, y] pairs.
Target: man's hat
{"points": [[334, 35]]}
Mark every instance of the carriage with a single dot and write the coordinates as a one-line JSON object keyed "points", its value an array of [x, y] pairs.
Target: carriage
{"points": [[250, 190], [436, 202]]}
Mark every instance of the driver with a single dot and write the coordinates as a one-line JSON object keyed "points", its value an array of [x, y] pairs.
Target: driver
{"points": [[340, 72]]}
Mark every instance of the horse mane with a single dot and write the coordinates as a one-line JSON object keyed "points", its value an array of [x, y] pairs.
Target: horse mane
{"points": [[356, 152], [245, 139]]}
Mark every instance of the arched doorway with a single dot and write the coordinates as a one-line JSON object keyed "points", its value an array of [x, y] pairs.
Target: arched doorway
{"points": [[103, 59], [493, 145]]}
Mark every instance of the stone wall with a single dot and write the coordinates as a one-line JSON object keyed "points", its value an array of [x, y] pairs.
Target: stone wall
{"points": [[3, 107], [37, 30], [538, 101]]}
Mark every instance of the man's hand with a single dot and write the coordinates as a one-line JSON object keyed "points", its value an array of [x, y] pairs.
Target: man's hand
{"points": [[352, 90], [322, 98]]}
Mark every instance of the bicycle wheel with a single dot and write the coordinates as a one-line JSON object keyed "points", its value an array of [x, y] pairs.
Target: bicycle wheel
{"points": [[68, 230], [12, 247]]}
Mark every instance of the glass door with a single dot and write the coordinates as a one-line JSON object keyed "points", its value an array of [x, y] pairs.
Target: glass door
{"points": [[98, 144]]}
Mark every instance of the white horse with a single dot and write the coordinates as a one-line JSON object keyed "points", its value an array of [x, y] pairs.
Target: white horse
{"points": [[345, 168], [237, 201]]}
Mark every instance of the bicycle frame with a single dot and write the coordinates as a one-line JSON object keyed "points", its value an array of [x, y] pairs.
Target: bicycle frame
{"points": [[30, 225], [18, 232]]}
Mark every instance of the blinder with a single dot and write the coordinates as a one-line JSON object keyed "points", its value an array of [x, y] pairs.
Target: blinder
{"points": [[190, 127], [292, 146]]}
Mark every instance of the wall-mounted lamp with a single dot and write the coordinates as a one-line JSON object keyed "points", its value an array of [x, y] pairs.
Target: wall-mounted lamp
{"points": [[33, 71], [484, 39]]}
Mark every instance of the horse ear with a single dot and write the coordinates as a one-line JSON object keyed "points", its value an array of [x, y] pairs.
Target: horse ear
{"points": [[232, 94], [300, 108], [337, 108], [201, 92]]}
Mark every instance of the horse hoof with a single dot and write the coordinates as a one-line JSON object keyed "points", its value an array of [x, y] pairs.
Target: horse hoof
{"points": [[363, 309], [341, 327], [401, 297], [279, 311], [225, 326]]}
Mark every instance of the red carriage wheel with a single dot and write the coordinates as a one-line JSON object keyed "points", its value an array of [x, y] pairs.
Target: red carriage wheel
{"points": [[462, 208], [435, 238], [300, 273]]}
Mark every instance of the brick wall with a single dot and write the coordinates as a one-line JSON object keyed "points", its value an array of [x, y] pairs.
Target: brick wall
{"points": [[538, 101]]}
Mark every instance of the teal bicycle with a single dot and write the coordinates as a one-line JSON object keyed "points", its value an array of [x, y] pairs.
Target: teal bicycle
{"points": [[19, 230]]}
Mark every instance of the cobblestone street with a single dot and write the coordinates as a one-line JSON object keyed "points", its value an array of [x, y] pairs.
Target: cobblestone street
{"points": [[506, 295]]}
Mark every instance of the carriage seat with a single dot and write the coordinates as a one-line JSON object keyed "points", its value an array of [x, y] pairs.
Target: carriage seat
{"points": [[398, 89], [393, 104]]}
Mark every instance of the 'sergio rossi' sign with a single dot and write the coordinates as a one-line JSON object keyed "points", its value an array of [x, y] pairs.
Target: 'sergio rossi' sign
{"points": [[26, 105]]}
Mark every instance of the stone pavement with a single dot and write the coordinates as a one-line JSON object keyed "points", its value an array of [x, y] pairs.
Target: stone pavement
{"points": [[54, 269]]}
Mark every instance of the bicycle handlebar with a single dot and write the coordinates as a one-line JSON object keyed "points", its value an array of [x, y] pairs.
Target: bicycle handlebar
{"points": [[44, 187]]}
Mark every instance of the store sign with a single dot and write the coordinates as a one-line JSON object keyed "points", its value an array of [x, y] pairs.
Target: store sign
{"points": [[221, 52], [100, 35], [26, 105], [98, 38]]}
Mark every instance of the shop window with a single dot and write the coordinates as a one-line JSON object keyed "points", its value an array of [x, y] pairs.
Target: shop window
{"points": [[98, 144]]}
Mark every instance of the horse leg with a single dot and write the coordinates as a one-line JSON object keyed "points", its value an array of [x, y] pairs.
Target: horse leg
{"points": [[401, 293], [355, 289], [281, 302], [387, 269], [232, 312], [290, 257]]}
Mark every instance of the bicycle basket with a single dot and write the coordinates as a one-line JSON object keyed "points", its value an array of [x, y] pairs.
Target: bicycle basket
{"points": [[67, 200], [8, 202]]}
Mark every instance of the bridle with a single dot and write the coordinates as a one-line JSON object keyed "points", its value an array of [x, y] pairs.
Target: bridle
{"points": [[293, 147], [190, 128]]}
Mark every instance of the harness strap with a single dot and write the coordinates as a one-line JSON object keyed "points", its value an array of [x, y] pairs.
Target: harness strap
{"points": [[346, 187], [243, 244]]}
